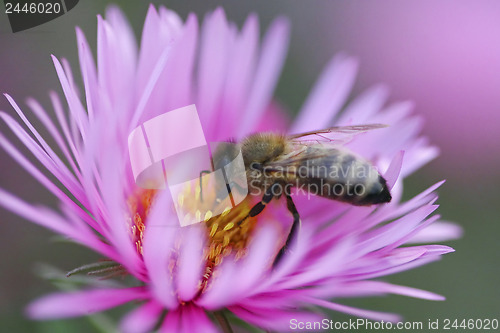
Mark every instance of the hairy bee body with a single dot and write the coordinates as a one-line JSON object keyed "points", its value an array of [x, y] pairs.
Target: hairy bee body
{"points": [[310, 163], [325, 170]]}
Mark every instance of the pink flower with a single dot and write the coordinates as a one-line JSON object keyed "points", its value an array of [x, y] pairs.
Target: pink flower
{"points": [[189, 271]]}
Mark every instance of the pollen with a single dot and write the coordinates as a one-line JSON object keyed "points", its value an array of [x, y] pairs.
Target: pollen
{"points": [[139, 205], [225, 237], [228, 233], [229, 226]]}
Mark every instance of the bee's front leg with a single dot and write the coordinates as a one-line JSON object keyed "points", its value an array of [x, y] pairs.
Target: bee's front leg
{"points": [[271, 192], [293, 231]]}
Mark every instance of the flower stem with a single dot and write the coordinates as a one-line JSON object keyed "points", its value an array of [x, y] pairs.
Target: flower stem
{"points": [[223, 322]]}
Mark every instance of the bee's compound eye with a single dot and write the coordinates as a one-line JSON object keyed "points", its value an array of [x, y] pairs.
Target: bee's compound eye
{"points": [[256, 166]]}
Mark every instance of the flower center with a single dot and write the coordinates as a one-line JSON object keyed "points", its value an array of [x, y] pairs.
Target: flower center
{"points": [[139, 206], [227, 233]]}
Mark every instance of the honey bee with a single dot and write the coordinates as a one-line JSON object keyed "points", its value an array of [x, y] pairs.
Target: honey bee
{"points": [[314, 162]]}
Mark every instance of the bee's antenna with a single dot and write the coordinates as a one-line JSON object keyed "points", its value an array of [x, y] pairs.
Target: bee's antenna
{"points": [[201, 183]]}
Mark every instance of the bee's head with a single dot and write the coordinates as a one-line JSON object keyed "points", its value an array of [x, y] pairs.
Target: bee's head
{"points": [[225, 157], [260, 148], [224, 154]]}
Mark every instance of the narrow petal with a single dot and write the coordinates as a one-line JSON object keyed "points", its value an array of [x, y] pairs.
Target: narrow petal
{"points": [[394, 231], [74, 103], [113, 198], [328, 95], [50, 220], [191, 262], [400, 268], [248, 272], [142, 319], [379, 287], [64, 174], [63, 305], [271, 60], [272, 318], [362, 109], [173, 88], [187, 319], [241, 69], [374, 315], [437, 232], [54, 132], [61, 118], [89, 72], [212, 66], [392, 172], [157, 250]]}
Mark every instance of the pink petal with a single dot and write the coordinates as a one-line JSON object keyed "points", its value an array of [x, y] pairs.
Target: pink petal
{"points": [[142, 319], [74, 103], [187, 319], [393, 231], [156, 36], [419, 200], [113, 198], [50, 220], [362, 109], [214, 51], [88, 70], [116, 58], [241, 69], [374, 315], [54, 132], [63, 305], [174, 88], [330, 263], [60, 114], [157, 249], [248, 272], [437, 232], [328, 95], [292, 261], [272, 318], [422, 260], [259, 258], [271, 60], [138, 113], [381, 261], [191, 262], [419, 154], [392, 173], [379, 287], [60, 170]]}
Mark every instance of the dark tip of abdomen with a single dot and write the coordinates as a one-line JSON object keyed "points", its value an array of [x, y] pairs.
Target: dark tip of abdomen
{"points": [[384, 196], [379, 194]]}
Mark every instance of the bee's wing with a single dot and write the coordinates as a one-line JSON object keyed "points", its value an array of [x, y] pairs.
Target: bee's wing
{"points": [[303, 153], [338, 135], [317, 144]]}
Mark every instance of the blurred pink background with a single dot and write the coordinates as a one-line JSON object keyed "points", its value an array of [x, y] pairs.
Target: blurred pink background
{"points": [[444, 55]]}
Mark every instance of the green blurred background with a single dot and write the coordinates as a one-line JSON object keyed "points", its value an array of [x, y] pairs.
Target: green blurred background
{"points": [[463, 120]]}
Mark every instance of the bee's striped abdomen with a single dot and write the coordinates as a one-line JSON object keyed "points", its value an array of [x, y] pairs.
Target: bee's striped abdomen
{"points": [[342, 176]]}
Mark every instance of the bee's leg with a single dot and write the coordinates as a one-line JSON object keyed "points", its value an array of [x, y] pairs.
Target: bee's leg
{"points": [[293, 231], [266, 198], [238, 187], [201, 187]]}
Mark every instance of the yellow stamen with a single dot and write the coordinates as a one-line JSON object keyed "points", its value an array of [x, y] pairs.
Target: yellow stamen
{"points": [[228, 226]]}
